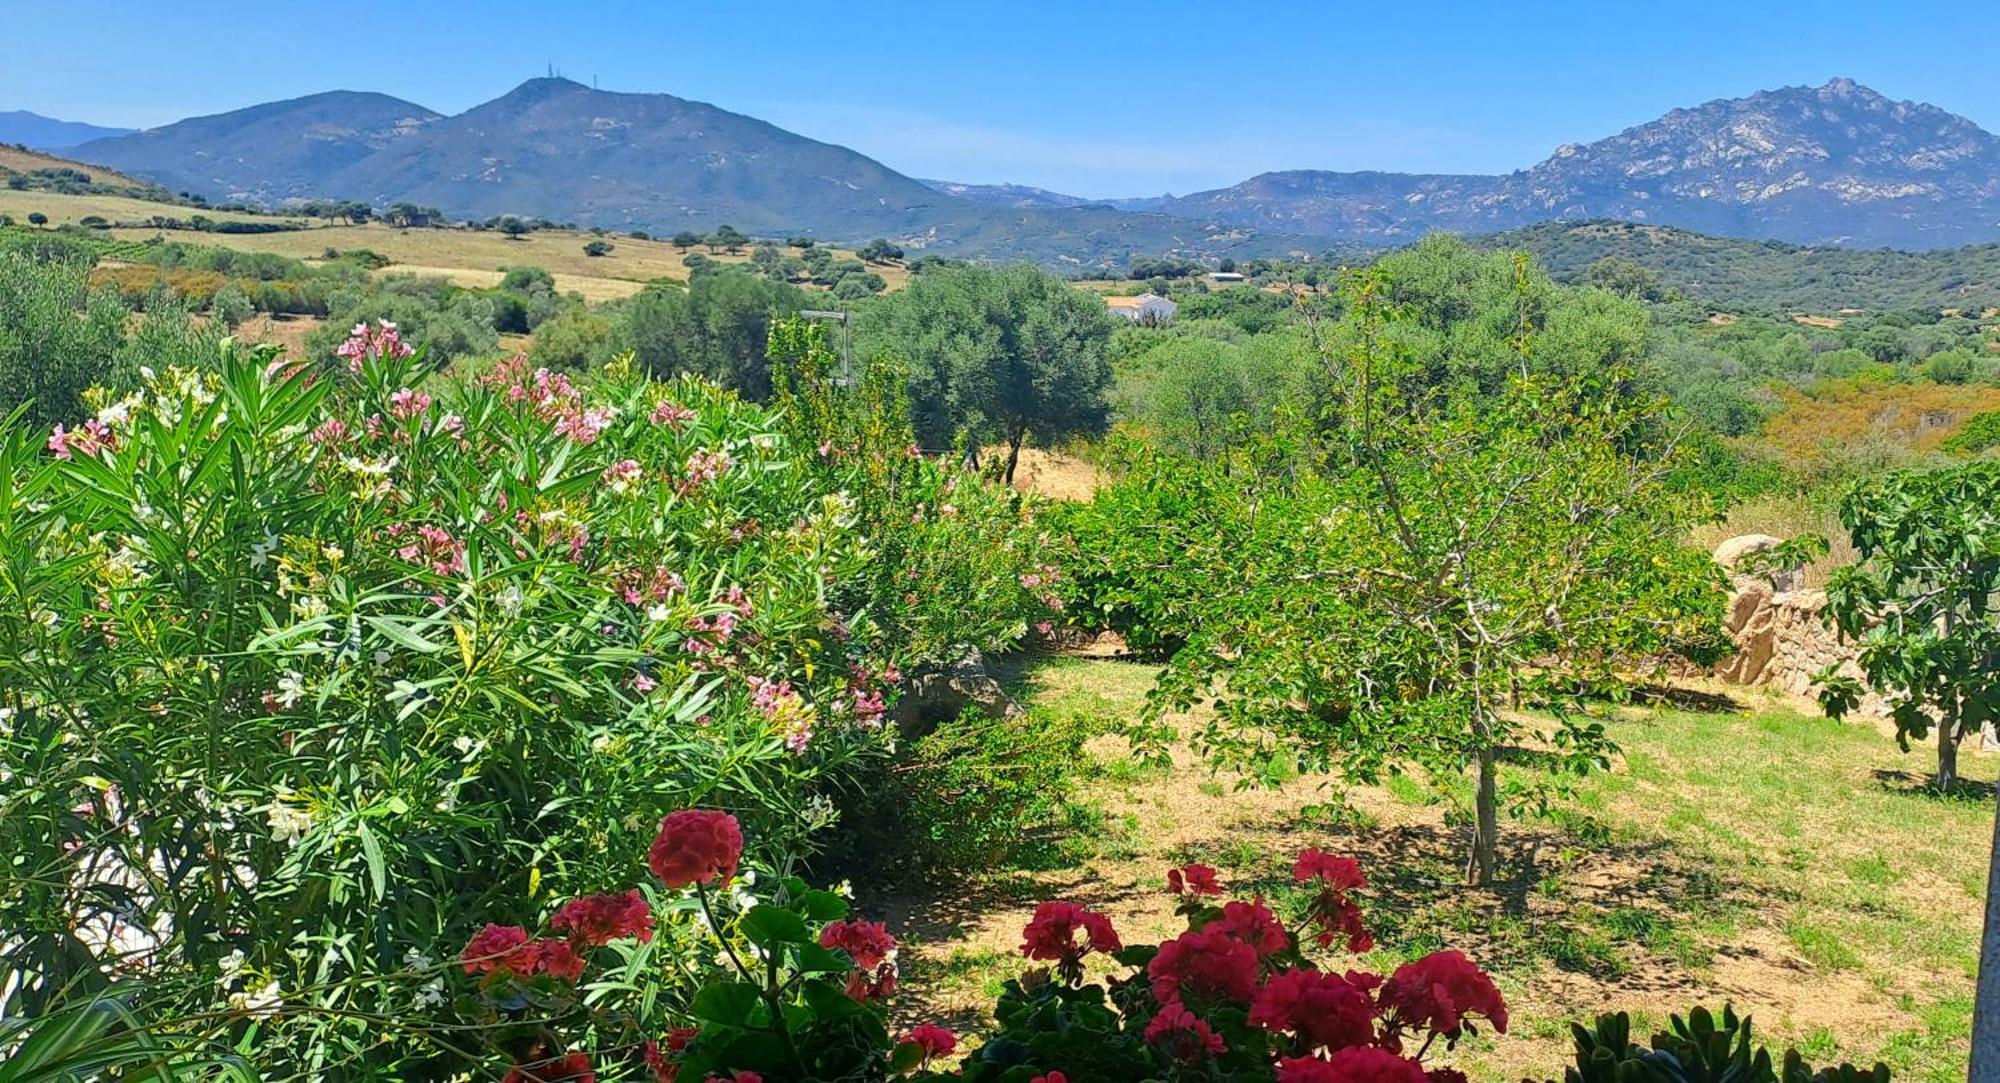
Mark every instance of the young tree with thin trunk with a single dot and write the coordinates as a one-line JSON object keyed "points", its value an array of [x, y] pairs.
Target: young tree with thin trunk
{"points": [[1447, 572], [1923, 603]]}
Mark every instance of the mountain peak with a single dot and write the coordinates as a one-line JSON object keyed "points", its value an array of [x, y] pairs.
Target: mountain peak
{"points": [[547, 84]]}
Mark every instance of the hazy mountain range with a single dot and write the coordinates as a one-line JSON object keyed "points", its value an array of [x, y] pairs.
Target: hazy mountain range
{"points": [[1834, 164], [37, 132], [1837, 164]]}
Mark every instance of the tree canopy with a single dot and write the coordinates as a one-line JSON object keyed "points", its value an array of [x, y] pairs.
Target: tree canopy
{"points": [[996, 355]]}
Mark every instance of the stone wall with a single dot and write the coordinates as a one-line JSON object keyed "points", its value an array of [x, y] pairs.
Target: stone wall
{"points": [[1781, 641]]}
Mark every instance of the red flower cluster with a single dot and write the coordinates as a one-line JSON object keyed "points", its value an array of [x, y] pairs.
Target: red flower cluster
{"points": [[696, 846], [1356, 1064], [1208, 965], [596, 920], [934, 1040], [1437, 991], [1193, 880], [1255, 925], [508, 948], [1332, 1028], [861, 985], [567, 1068], [1334, 910], [1185, 1035], [1326, 1011], [664, 1069], [1051, 936], [868, 943]]}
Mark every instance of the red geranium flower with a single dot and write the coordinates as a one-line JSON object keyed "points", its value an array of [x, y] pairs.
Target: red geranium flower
{"points": [[1356, 1064], [1333, 910], [1255, 925], [1051, 936], [596, 920], [664, 1070], [1185, 1035], [499, 947], [1327, 1011], [1193, 880], [558, 960], [1205, 964], [1052, 1077], [1438, 991], [865, 941], [1445, 1075], [861, 986], [934, 1040], [696, 846], [567, 1068]]}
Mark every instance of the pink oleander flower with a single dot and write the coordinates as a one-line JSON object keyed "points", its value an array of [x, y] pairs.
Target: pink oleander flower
{"points": [[619, 476], [93, 437], [706, 466], [406, 403], [331, 432], [363, 344], [671, 413]]}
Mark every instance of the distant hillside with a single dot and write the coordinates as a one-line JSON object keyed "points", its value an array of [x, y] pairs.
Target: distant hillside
{"points": [[557, 149], [1769, 275], [15, 160], [266, 153], [1023, 195], [37, 132], [1006, 195], [1834, 164]]}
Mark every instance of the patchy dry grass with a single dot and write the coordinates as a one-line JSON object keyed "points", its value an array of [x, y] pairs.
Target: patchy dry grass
{"points": [[470, 258], [68, 209], [1791, 865], [17, 160]]}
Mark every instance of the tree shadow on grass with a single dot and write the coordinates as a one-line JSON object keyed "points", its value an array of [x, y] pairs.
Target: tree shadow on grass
{"points": [[1687, 699], [1914, 784]]}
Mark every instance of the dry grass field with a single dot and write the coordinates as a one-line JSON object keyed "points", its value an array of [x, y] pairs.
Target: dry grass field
{"points": [[467, 257], [1750, 853], [16, 160], [67, 209]]}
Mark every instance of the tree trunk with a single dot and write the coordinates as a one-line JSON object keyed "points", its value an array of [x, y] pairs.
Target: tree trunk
{"points": [[1486, 829], [1013, 454], [1986, 1008], [1947, 751]]}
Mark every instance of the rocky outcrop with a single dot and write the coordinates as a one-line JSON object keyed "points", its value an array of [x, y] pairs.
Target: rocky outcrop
{"points": [[940, 696], [1781, 639]]}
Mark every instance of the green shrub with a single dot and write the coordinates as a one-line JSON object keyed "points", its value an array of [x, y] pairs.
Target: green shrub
{"points": [[58, 337], [354, 661], [979, 792], [1980, 432]]}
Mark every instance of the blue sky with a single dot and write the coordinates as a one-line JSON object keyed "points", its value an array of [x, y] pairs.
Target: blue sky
{"points": [[1098, 99]]}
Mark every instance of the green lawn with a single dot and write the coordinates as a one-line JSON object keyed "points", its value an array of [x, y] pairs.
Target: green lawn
{"points": [[1791, 865]]}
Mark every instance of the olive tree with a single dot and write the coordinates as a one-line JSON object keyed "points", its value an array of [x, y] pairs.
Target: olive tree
{"points": [[996, 355], [1921, 603]]}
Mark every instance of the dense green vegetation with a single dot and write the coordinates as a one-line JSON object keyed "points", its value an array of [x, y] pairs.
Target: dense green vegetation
{"points": [[362, 649], [1768, 276]]}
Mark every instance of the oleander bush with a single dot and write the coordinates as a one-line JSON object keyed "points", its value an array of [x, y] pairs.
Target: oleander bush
{"points": [[305, 667]]}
